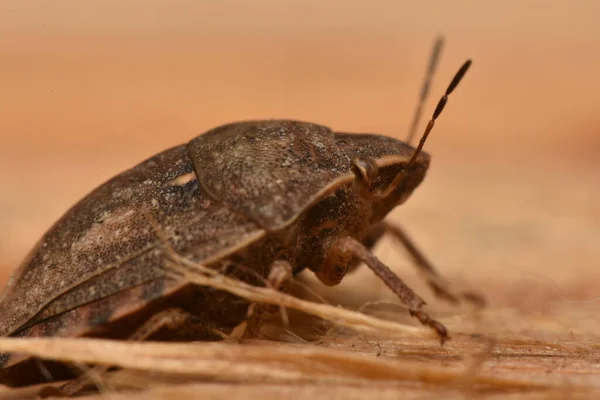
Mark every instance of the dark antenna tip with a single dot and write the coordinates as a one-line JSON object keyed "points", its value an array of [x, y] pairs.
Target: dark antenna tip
{"points": [[457, 78], [440, 107], [436, 51]]}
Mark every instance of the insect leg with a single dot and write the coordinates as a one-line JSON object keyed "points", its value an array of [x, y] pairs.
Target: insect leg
{"points": [[438, 284], [369, 241], [279, 278], [172, 319], [348, 248]]}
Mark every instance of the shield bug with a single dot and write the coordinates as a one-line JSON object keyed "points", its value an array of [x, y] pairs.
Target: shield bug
{"points": [[254, 194]]}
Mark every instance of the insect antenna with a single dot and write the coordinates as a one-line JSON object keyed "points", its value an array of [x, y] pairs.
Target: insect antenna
{"points": [[439, 108], [433, 62]]}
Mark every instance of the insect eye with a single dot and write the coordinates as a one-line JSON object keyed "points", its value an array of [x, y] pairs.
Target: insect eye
{"points": [[365, 170]]}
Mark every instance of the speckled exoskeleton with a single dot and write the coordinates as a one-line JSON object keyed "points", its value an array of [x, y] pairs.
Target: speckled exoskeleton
{"points": [[242, 198]]}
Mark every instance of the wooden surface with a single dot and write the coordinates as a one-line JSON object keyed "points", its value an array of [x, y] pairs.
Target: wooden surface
{"points": [[509, 206]]}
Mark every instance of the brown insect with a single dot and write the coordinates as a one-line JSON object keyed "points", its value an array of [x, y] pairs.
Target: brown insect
{"points": [[269, 196]]}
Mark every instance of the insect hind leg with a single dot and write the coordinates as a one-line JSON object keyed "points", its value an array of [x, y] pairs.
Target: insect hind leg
{"points": [[172, 319]]}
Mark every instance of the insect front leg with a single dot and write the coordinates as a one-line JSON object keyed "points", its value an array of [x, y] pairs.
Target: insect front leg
{"points": [[279, 278], [343, 252], [440, 286]]}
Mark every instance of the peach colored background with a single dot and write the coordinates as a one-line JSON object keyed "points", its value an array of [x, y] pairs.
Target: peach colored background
{"points": [[89, 88]]}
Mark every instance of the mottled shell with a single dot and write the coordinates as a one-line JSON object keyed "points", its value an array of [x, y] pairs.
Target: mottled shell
{"points": [[107, 242], [270, 171]]}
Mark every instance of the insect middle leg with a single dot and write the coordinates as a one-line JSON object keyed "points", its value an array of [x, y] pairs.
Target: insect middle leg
{"points": [[279, 278]]}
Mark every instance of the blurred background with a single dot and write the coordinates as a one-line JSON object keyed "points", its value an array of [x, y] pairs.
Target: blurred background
{"points": [[510, 206]]}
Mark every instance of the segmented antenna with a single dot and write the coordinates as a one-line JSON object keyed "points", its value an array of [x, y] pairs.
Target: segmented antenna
{"points": [[439, 108], [433, 62]]}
